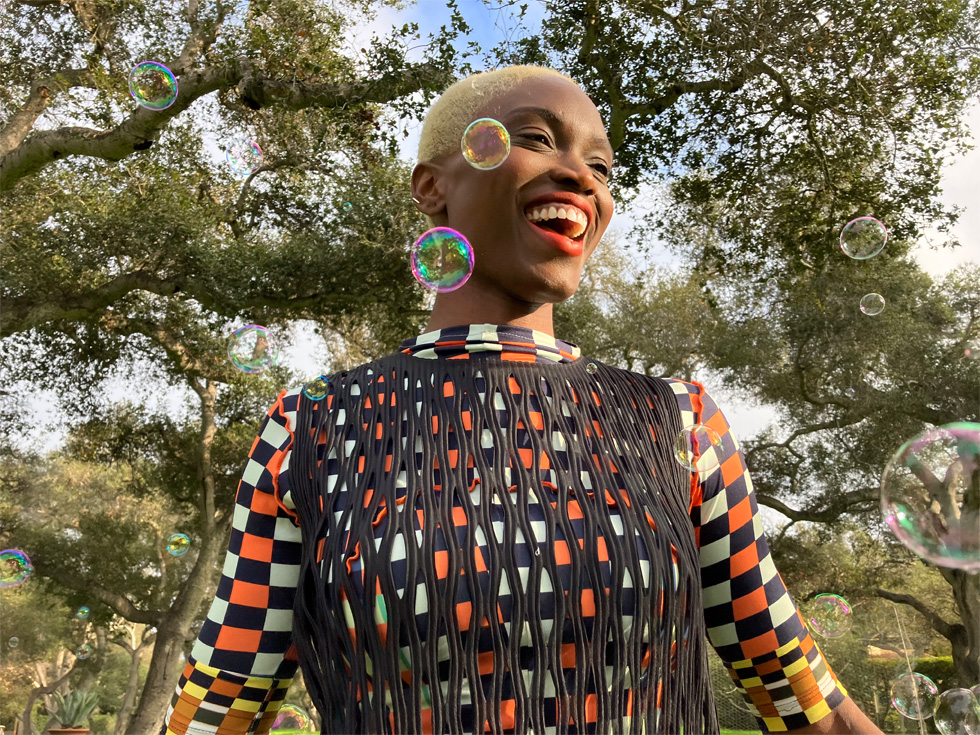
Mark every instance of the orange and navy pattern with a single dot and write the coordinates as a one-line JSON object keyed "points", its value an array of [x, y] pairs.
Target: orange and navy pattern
{"points": [[243, 661]]}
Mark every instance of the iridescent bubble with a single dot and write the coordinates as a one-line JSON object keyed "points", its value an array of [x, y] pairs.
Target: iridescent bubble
{"points": [[591, 368], [244, 156], [957, 712], [863, 238], [772, 283], [83, 613], [252, 349], [178, 544], [697, 448], [153, 85], [317, 388], [348, 206], [830, 615], [14, 642], [442, 259], [83, 651], [15, 568], [914, 695], [872, 304], [930, 495], [485, 144], [850, 393], [291, 719]]}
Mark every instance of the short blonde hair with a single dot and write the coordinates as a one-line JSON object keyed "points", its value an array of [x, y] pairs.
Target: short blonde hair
{"points": [[458, 106]]}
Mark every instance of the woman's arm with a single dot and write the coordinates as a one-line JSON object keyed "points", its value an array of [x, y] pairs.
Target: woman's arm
{"points": [[846, 719], [243, 661]]}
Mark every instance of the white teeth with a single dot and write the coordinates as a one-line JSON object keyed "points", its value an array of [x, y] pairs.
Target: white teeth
{"points": [[551, 211]]}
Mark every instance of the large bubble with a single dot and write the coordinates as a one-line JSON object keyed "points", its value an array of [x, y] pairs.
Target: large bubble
{"points": [[863, 238], [252, 349], [957, 712], [930, 495], [697, 448], [872, 304], [442, 259], [15, 568], [914, 695], [291, 719], [830, 615], [485, 144], [153, 85]]}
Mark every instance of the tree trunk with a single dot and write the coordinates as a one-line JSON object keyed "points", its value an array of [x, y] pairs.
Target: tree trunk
{"points": [[966, 635], [129, 698], [160, 682]]}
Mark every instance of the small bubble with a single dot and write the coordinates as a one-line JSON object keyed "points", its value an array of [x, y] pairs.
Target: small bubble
{"points": [[348, 206], [82, 613], [178, 544], [244, 156], [850, 393], [317, 388], [872, 304], [485, 144], [863, 238], [591, 368], [15, 568], [831, 615], [696, 448], [153, 85], [14, 642], [252, 349], [83, 651]]}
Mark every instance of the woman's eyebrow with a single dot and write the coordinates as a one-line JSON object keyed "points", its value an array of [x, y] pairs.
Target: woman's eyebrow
{"points": [[553, 117]]}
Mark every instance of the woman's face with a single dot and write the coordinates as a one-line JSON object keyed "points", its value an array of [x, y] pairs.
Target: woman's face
{"points": [[558, 146]]}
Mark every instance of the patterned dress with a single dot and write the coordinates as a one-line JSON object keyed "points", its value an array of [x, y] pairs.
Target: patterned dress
{"points": [[243, 662]]}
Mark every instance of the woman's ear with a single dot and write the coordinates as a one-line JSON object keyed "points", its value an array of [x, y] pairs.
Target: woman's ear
{"points": [[427, 188]]}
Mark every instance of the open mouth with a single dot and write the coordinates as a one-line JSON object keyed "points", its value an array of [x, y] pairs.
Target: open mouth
{"points": [[568, 222]]}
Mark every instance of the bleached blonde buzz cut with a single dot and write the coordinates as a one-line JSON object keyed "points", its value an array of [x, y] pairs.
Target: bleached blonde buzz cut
{"points": [[459, 105]]}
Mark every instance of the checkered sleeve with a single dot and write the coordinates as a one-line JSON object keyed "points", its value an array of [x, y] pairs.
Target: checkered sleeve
{"points": [[751, 619], [243, 661]]}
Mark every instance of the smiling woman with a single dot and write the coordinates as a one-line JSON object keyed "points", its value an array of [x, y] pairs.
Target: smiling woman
{"points": [[487, 531]]}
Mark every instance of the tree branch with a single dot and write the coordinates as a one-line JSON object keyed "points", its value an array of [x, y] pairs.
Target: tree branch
{"points": [[120, 603], [938, 624]]}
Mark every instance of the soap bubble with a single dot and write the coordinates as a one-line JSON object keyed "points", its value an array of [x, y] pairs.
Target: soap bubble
{"points": [[914, 695], [872, 304], [697, 448], [830, 615], [317, 388], [930, 495], [850, 393], [153, 85], [178, 544], [291, 719], [252, 349], [14, 642], [772, 283], [348, 206], [957, 712], [83, 651], [15, 568], [485, 144], [863, 238], [244, 156], [82, 613], [442, 259]]}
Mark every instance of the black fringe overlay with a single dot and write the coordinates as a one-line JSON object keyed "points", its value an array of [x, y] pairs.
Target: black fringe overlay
{"points": [[405, 447]]}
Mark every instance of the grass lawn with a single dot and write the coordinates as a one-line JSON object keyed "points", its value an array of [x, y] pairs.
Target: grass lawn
{"points": [[741, 732]]}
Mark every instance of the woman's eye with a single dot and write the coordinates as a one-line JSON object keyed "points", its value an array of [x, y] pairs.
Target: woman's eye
{"points": [[601, 168], [537, 136]]}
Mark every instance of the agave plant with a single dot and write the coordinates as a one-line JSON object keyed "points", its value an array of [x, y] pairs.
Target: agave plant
{"points": [[73, 710]]}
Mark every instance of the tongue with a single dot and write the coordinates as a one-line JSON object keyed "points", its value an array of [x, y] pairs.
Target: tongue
{"points": [[555, 225]]}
